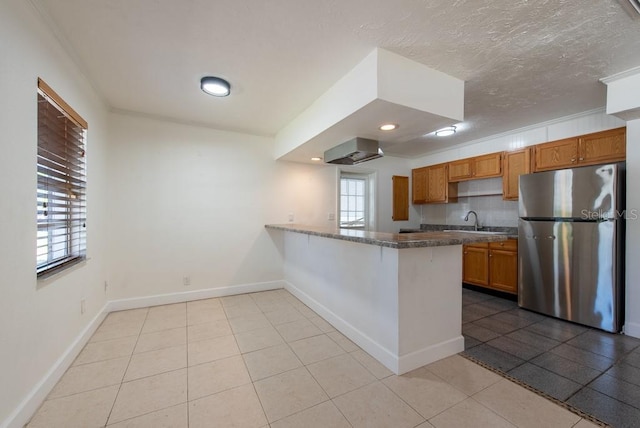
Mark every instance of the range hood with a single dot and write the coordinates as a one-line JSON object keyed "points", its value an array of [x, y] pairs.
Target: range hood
{"points": [[354, 151]]}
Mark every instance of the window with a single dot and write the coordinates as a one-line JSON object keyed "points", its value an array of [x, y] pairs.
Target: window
{"points": [[61, 205], [352, 202], [356, 200]]}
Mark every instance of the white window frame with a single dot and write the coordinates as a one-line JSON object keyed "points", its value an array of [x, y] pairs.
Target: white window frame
{"points": [[370, 178]]}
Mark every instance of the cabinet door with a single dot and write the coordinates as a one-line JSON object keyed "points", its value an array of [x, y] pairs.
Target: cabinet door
{"points": [[487, 166], [600, 147], [437, 183], [419, 185], [400, 198], [515, 164], [475, 264], [503, 268], [460, 170], [556, 154]]}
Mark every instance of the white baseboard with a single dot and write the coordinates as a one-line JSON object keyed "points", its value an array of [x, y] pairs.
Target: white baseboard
{"points": [[383, 355], [25, 410], [397, 364], [187, 296], [632, 329], [23, 413], [430, 354]]}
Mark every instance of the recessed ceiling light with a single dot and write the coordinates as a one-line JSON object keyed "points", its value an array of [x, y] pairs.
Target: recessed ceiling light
{"points": [[445, 132], [215, 86], [316, 159], [388, 127]]}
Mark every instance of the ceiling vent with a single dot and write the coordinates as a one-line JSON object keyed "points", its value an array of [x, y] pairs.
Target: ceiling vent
{"points": [[632, 7]]}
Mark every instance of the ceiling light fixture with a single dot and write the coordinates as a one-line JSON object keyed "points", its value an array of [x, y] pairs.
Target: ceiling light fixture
{"points": [[445, 132], [388, 127], [215, 86], [316, 159]]}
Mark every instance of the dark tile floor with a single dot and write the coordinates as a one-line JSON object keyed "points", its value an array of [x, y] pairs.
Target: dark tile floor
{"points": [[591, 370]]}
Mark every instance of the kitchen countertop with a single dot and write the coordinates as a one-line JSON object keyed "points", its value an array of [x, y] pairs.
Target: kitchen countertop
{"points": [[391, 240], [510, 232]]}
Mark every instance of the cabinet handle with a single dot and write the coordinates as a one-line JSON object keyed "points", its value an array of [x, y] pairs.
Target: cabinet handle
{"points": [[581, 159], [573, 160]]}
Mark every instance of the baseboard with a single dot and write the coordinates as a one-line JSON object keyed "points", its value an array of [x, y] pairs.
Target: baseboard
{"points": [[383, 355], [23, 413], [187, 296], [632, 329], [397, 364], [428, 355], [27, 408]]}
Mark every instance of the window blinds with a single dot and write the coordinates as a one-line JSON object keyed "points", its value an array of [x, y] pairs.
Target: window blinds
{"points": [[61, 203]]}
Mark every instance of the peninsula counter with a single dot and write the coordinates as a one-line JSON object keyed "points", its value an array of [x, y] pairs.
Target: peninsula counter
{"points": [[397, 296]]}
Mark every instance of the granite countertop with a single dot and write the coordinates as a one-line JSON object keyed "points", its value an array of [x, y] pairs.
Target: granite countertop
{"points": [[510, 232], [391, 240]]}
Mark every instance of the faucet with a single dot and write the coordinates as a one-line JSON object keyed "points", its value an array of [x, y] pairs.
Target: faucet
{"points": [[475, 224]]}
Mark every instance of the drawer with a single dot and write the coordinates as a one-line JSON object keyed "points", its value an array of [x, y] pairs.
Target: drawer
{"points": [[478, 245], [509, 245]]}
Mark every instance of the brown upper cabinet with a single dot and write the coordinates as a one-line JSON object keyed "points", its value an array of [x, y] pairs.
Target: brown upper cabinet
{"points": [[439, 183], [430, 185], [419, 185], [599, 147], [400, 198], [485, 166], [605, 146], [515, 164]]}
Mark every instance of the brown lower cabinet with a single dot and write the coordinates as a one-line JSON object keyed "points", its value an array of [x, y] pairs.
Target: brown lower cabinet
{"points": [[491, 264]]}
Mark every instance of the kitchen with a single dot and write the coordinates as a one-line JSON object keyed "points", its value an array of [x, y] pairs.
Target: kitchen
{"points": [[143, 244]]}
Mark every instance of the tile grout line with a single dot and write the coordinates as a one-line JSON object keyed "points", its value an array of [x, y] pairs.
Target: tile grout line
{"points": [[562, 404], [566, 341], [127, 368], [244, 362], [186, 333], [305, 366]]}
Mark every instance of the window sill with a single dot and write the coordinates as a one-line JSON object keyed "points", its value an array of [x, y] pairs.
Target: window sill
{"points": [[59, 270]]}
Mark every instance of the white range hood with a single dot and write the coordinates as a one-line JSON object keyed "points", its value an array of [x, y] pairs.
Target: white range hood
{"points": [[353, 152]]}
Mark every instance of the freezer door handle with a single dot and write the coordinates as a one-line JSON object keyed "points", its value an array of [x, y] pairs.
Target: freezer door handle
{"points": [[552, 237]]}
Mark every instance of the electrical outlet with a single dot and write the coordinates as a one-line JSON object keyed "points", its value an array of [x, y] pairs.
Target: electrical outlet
{"points": [[331, 216], [186, 281], [291, 217], [83, 303]]}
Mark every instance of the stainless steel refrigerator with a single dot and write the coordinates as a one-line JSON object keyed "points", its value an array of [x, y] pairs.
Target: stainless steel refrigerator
{"points": [[571, 244]]}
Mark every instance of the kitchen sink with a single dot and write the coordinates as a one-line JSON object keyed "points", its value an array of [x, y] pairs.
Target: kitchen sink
{"points": [[483, 232]]}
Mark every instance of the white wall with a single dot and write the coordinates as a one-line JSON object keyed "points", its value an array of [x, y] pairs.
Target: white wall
{"points": [[385, 168], [491, 209], [40, 319], [632, 325], [189, 201]]}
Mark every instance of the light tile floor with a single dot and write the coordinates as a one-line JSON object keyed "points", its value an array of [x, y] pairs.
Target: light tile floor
{"points": [[267, 360]]}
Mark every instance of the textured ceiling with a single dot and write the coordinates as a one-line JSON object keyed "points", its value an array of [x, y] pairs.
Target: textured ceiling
{"points": [[524, 61]]}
